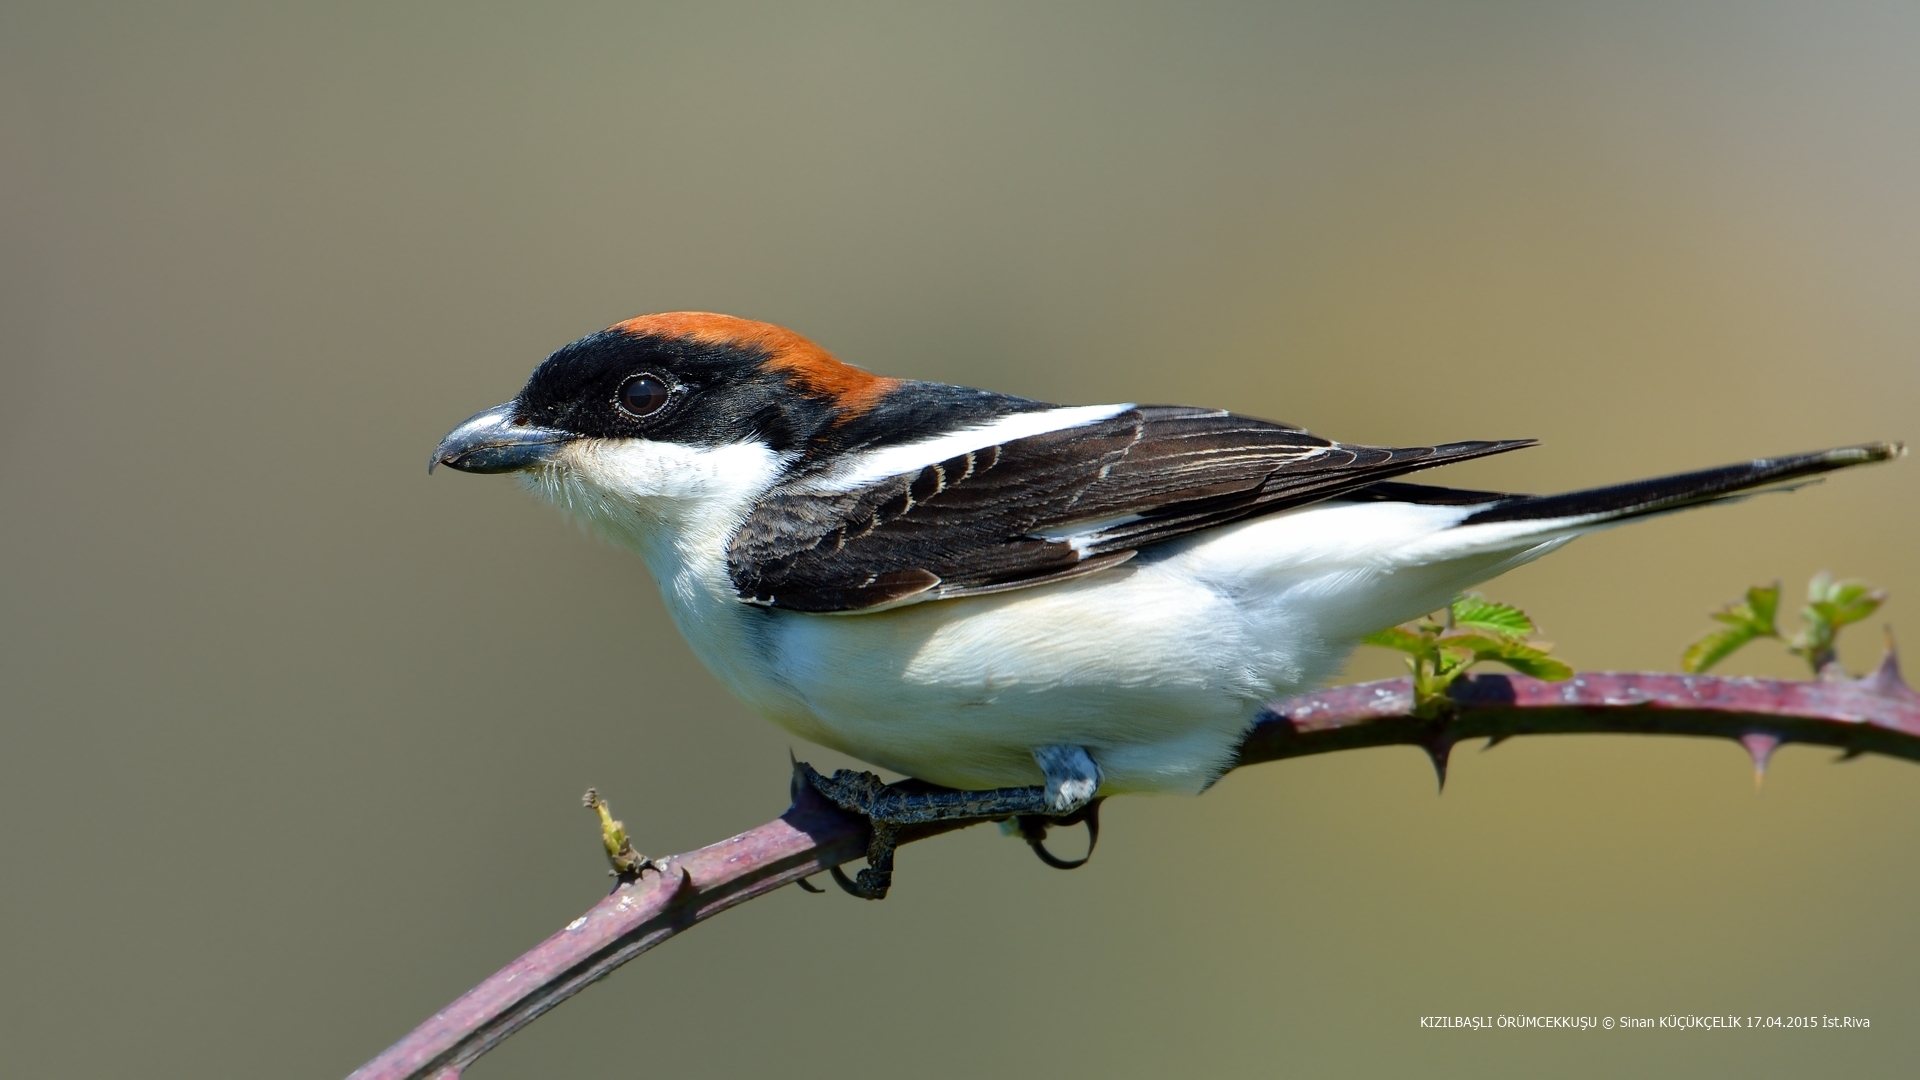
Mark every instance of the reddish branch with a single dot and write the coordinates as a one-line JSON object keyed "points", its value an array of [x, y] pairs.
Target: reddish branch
{"points": [[1878, 714]]}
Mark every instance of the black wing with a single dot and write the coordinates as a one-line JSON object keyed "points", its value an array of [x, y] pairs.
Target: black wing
{"points": [[1048, 506]]}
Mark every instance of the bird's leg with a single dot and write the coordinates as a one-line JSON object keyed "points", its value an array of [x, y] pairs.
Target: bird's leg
{"points": [[1072, 777], [894, 811]]}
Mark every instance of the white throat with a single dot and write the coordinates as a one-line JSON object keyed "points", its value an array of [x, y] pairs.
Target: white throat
{"points": [[673, 504]]}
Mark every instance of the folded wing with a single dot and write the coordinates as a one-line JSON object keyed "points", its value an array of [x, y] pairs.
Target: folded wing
{"points": [[1044, 507]]}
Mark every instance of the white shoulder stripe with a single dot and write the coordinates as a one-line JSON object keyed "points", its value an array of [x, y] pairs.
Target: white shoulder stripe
{"points": [[863, 469]]}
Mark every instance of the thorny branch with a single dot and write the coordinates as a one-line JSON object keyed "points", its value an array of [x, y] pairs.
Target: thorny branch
{"points": [[1877, 714]]}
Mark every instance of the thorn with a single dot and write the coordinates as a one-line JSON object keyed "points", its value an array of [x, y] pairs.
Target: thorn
{"points": [[1885, 678], [684, 886], [1496, 740], [1760, 746], [1438, 750], [1848, 754], [808, 886]]}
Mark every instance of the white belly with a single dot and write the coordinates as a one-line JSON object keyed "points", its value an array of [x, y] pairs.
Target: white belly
{"points": [[1157, 667], [1153, 677]]}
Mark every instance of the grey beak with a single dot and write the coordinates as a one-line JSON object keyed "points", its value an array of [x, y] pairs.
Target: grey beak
{"points": [[490, 442]]}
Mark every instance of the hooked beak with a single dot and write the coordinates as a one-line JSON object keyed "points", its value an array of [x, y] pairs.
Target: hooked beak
{"points": [[490, 442]]}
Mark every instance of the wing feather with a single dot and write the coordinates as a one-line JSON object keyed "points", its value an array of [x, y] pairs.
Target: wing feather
{"points": [[1043, 507]]}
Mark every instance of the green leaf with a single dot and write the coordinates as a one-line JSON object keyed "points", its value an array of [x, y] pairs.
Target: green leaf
{"points": [[1847, 602], [1814, 642], [1831, 605], [1403, 639], [1755, 618], [1479, 629], [1474, 611], [1544, 668], [1475, 642], [1715, 647], [1763, 608], [1524, 657]]}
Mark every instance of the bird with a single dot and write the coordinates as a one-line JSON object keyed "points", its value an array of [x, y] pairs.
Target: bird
{"points": [[982, 591]]}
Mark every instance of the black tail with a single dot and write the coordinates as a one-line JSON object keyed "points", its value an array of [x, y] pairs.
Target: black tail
{"points": [[1661, 494]]}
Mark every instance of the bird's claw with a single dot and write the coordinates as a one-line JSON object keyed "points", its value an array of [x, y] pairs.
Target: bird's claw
{"points": [[1033, 829], [896, 812]]}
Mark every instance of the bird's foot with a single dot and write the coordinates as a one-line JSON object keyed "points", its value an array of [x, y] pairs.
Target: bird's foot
{"points": [[909, 809], [1033, 829]]}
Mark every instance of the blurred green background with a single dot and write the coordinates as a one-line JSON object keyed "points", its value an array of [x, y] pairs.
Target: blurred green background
{"points": [[294, 735]]}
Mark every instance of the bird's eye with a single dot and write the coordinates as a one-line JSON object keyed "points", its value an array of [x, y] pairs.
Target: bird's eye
{"points": [[642, 395]]}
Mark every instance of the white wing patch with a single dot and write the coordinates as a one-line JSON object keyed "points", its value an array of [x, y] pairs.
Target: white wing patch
{"points": [[874, 465], [1081, 535]]}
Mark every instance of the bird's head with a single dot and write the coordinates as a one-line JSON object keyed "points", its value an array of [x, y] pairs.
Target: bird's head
{"points": [[665, 414]]}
